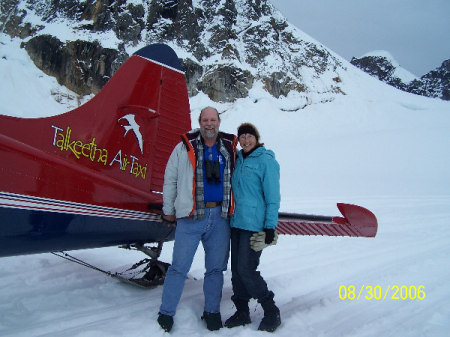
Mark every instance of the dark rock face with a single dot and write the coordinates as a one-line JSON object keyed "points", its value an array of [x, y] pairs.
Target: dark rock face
{"points": [[434, 84], [227, 45], [379, 67], [12, 20], [83, 67], [226, 83]]}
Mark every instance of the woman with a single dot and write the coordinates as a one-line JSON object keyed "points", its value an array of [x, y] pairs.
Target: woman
{"points": [[256, 192]]}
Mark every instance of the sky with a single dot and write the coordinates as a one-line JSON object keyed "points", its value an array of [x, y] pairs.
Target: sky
{"points": [[415, 32]]}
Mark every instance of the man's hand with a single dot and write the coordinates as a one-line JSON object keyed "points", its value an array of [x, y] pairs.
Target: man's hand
{"points": [[169, 220]]}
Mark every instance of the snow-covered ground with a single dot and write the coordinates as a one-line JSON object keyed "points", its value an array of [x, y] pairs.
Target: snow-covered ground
{"points": [[376, 147]]}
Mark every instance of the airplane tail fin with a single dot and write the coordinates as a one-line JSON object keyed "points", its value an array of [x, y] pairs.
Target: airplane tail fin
{"points": [[114, 147]]}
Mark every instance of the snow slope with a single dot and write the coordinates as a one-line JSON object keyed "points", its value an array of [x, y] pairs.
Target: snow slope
{"points": [[376, 147]]}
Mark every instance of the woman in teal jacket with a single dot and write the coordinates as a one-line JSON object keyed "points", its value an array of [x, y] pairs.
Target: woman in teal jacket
{"points": [[256, 193]]}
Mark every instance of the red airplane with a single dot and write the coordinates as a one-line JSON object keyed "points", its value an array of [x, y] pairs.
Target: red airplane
{"points": [[93, 177]]}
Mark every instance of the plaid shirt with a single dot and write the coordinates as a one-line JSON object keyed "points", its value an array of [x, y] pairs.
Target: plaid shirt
{"points": [[199, 209]]}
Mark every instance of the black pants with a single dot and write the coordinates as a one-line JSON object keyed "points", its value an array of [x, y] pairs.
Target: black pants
{"points": [[247, 282]]}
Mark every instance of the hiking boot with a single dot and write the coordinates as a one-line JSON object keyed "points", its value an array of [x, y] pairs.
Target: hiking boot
{"points": [[213, 320], [238, 319], [241, 316], [272, 319], [165, 321]]}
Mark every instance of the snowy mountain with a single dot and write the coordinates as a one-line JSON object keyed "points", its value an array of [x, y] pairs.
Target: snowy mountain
{"points": [[226, 47], [375, 146], [435, 83], [382, 65]]}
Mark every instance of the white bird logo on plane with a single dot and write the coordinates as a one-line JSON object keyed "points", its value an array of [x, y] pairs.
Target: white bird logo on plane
{"points": [[133, 126]]}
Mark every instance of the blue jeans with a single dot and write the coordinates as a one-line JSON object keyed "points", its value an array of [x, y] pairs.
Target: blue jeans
{"points": [[214, 233], [247, 282]]}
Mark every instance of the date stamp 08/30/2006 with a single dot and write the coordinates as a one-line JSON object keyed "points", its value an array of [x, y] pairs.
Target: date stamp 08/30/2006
{"points": [[394, 292]]}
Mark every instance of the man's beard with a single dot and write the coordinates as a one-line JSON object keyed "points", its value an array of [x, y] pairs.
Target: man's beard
{"points": [[209, 133]]}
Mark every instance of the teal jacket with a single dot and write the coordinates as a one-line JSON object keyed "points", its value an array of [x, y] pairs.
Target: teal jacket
{"points": [[256, 191]]}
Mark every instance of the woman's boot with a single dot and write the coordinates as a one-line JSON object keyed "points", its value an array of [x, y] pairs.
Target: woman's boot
{"points": [[271, 320], [241, 316]]}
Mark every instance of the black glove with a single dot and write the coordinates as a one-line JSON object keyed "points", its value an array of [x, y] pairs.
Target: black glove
{"points": [[270, 234]]}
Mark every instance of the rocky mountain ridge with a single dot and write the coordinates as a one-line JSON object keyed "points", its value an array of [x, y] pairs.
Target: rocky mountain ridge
{"points": [[225, 46], [435, 83]]}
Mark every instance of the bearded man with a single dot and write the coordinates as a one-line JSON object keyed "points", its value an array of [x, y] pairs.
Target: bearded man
{"points": [[196, 199]]}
